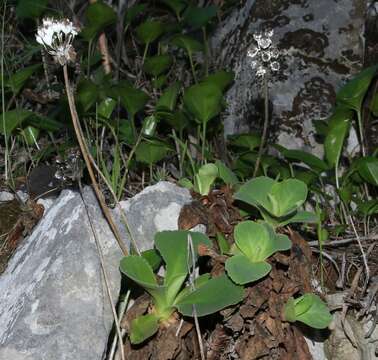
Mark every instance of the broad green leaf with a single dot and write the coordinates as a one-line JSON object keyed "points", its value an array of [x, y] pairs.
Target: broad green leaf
{"points": [[205, 178], [106, 107], [368, 208], [310, 310], [186, 183], [156, 65], [16, 81], [98, 15], [31, 9], [149, 31], [126, 132], [198, 17], [204, 101], [247, 141], [138, 269], [223, 245], [187, 43], [307, 158], [226, 174], [43, 122], [151, 151], [87, 94], [131, 98], [255, 192], [368, 169], [133, 11], [143, 327], [31, 135], [169, 98], [300, 217], [353, 93], [153, 258], [243, 271], [221, 78], [338, 129], [176, 5], [286, 196], [149, 125], [13, 119], [216, 294], [198, 282]]}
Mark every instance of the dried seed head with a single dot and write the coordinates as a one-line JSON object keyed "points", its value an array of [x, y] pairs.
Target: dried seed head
{"points": [[57, 37]]}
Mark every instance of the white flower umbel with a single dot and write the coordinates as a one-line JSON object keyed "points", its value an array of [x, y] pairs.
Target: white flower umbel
{"points": [[57, 36], [263, 54]]}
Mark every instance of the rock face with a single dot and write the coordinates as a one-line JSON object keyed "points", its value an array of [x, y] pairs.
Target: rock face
{"points": [[320, 45], [53, 302]]}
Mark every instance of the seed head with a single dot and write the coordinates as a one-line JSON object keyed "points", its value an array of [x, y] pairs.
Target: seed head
{"points": [[57, 37]]}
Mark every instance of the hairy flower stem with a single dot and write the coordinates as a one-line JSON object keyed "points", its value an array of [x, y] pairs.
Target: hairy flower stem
{"points": [[265, 128], [84, 151]]}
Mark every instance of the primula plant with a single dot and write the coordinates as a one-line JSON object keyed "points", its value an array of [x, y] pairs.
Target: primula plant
{"points": [[205, 295]]}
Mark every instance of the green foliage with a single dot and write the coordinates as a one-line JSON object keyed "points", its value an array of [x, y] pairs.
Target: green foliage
{"points": [[149, 31], [156, 65], [171, 293], [187, 43], [278, 202], [98, 15], [309, 309], [255, 243], [198, 17], [204, 101], [31, 9], [368, 169], [151, 151], [17, 81], [205, 178]]}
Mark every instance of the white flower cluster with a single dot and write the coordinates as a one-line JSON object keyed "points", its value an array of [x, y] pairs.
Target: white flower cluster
{"points": [[57, 36], [263, 55]]}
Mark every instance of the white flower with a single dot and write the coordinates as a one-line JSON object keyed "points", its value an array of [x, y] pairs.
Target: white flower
{"points": [[261, 71], [265, 56], [252, 51], [57, 36], [264, 43], [275, 65]]}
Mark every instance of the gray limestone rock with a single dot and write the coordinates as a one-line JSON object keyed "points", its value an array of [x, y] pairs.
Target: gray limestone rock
{"points": [[53, 302], [321, 46]]}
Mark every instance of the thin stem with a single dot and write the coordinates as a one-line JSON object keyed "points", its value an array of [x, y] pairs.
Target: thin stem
{"points": [[144, 55], [6, 160], [361, 131], [85, 151], [192, 67], [207, 52], [203, 142], [265, 128]]}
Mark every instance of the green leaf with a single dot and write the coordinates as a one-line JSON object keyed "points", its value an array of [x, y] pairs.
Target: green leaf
{"points": [[243, 271], [176, 5], [368, 169], [247, 141], [152, 257], [87, 94], [173, 247], [151, 151], [30, 9], [16, 81], [216, 294], [13, 119], [223, 245], [338, 129], [204, 101], [43, 122], [138, 269], [131, 98], [143, 327], [205, 178], [149, 31], [307, 158], [106, 107], [277, 198], [98, 15], [169, 98], [226, 174], [368, 208], [221, 78], [197, 17], [286, 196], [301, 217], [31, 135], [353, 93], [310, 310], [149, 125], [187, 43], [126, 132], [156, 65], [133, 11]]}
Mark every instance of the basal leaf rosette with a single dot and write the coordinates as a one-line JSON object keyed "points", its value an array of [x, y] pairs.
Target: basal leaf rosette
{"points": [[255, 243]]}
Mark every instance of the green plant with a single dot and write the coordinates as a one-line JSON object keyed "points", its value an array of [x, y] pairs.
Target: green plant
{"points": [[309, 309], [255, 243], [170, 294], [278, 202]]}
